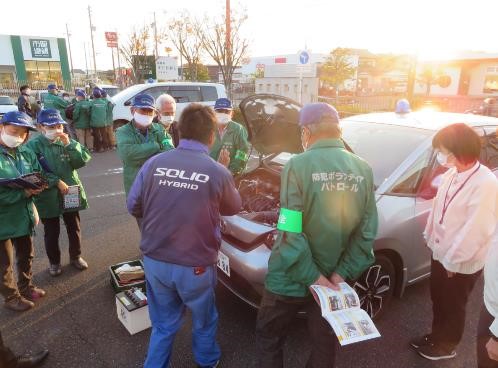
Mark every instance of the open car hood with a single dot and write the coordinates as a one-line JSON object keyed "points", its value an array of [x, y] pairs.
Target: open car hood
{"points": [[272, 123]]}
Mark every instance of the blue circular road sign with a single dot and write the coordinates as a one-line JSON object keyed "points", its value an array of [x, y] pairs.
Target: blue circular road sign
{"points": [[304, 57]]}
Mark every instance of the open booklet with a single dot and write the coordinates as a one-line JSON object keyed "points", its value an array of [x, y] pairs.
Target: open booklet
{"points": [[33, 180], [342, 311]]}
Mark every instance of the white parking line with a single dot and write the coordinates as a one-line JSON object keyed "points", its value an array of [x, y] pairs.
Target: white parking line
{"points": [[104, 195]]}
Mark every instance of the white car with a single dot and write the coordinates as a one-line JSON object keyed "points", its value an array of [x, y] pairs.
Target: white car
{"points": [[6, 105], [183, 92]]}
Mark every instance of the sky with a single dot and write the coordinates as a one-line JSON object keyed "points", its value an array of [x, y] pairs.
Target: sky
{"points": [[432, 29]]}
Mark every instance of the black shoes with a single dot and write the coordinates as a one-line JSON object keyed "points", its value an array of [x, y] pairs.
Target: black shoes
{"points": [[31, 360], [431, 350], [421, 341]]}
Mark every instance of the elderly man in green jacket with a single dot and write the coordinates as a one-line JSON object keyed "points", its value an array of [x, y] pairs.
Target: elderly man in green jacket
{"points": [[18, 215], [230, 147], [61, 156], [140, 139], [327, 225]]}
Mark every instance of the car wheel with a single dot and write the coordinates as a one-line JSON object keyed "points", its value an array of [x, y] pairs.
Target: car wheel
{"points": [[375, 287]]}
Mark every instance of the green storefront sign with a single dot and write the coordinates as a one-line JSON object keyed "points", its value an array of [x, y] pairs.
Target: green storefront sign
{"points": [[40, 48]]}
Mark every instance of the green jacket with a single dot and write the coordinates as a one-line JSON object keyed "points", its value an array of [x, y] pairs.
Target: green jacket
{"points": [[98, 113], [332, 189], [52, 101], [16, 210], [81, 114], [235, 140], [62, 161], [134, 148], [110, 107]]}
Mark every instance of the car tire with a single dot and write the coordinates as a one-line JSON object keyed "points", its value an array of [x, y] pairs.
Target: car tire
{"points": [[375, 286]]}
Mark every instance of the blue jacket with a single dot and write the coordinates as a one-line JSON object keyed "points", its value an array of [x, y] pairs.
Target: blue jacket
{"points": [[180, 195]]}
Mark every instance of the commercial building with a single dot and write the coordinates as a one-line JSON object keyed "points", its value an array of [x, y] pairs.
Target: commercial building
{"points": [[33, 60]]}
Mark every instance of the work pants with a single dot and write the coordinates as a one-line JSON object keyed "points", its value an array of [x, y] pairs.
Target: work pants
{"points": [[276, 316], [52, 232], [171, 289], [24, 258]]}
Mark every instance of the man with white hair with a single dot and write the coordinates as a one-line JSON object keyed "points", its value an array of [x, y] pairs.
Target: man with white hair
{"points": [[166, 105]]}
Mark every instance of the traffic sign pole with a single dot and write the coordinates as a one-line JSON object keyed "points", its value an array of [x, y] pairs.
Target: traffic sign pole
{"points": [[304, 59]]}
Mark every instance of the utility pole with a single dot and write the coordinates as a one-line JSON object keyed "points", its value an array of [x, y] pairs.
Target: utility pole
{"points": [[155, 36], [119, 64], [86, 60], [228, 49], [93, 45], [70, 53]]}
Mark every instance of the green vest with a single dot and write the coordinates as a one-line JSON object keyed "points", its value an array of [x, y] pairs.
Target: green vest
{"points": [[134, 148], [63, 161], [234, 139], [328, 219]]}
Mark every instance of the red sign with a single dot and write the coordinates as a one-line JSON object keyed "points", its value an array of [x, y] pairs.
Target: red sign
{"points": [[112, 44], [280, 60], [111, 37]]}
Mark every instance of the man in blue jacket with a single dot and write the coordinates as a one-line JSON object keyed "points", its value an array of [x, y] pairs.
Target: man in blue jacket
{"points": [[180, 253]]}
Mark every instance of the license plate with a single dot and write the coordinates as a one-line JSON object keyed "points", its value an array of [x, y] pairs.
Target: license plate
{"points": [[224, 263]]}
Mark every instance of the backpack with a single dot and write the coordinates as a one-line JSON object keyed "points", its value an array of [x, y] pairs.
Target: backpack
{"points": [[69, 111]]}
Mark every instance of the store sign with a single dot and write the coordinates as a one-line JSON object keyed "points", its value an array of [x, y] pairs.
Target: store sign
{"points": [[111, 37], [40, 48], [112, 44]]}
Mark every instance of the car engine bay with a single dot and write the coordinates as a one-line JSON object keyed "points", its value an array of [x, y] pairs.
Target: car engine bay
{"points": [[260, 193]]}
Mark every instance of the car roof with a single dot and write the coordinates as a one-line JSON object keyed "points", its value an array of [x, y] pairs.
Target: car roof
{"points": [[107, 86], [179, 84], [429, 120]]}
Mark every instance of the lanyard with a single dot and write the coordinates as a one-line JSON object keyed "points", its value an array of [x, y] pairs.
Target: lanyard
{"points": [[447, 204], [16, 164]]}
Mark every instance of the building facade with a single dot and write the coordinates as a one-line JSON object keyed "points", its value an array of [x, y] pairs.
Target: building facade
{"points": [[34, 60]]}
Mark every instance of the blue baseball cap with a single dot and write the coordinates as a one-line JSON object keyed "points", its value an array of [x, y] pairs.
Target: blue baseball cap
{"points": [[318, 112], [97, 92], [223, 104], [402, 106], [80, 92], [50, 117], [143, 101], [19, 119], [51, 86]]}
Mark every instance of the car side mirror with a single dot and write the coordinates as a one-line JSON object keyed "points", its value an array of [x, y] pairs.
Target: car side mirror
{"points": [[127, 103]]}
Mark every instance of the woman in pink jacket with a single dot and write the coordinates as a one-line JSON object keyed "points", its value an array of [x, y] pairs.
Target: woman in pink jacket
{"points": [[459, 232]]}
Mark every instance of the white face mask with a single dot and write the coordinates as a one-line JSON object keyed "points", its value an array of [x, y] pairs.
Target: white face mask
{"points": [[443, 160], [223, 118], [11, 141], [143, 120], [66, 98], [167, 120], [51, 133]]}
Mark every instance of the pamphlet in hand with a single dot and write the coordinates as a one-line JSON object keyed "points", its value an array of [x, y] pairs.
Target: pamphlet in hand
{"points": [[33, 180], [71, 199], [342, 311]]}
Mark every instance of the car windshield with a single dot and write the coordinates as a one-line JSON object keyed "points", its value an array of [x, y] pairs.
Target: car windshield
{"points": [[111, 91], [5, 100], [383, 146], [128, 92]]}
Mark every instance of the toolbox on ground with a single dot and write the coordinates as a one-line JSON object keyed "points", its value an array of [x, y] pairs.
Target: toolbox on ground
{"points": [[132, 310], [115, 282]]}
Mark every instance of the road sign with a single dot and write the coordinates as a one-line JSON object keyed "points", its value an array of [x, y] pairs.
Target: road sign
{"points": [[304, 57], [112, 44], [111, 37]]}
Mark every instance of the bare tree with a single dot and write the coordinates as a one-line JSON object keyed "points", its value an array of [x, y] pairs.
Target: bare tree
{"points": [[134, 50], [212, 33], [183, 35]]}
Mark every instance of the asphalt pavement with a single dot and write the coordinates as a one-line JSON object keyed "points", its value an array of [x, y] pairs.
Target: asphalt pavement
{"points": [[77, 319]]}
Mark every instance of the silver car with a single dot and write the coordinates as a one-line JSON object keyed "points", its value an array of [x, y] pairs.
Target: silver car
{"points": [[406, 175]]}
